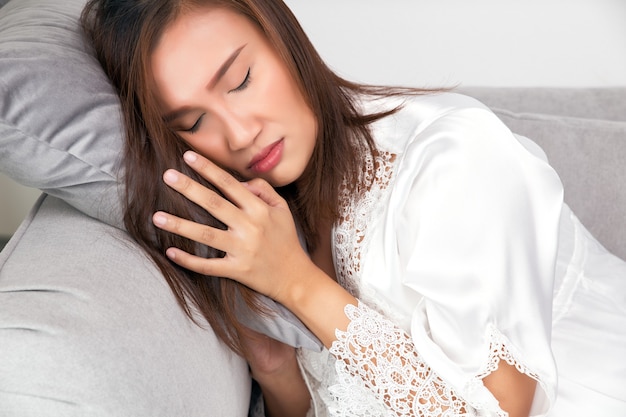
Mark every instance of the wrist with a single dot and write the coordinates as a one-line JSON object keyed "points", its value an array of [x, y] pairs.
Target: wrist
{"points": [[319, 302], [308, 284], [303, 277]]}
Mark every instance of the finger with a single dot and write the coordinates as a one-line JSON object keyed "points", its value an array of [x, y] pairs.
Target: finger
{"points": [[209, 200], [265, 192], [206, 235], [222, 180], [216, 267]]}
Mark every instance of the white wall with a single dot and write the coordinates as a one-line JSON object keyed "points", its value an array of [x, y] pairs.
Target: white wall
{"points": [[472, 42], [444, 42]]}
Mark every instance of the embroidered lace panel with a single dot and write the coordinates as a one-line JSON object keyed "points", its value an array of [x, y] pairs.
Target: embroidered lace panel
{"points": [[350, 233], [376, 355]]}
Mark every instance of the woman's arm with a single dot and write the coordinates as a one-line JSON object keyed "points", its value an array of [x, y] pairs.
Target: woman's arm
{"points": [[263, 252], [514, 390], [384, 357]]}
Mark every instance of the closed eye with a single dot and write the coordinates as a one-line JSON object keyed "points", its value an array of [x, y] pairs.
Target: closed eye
{"points": [[243, 85], [195, 127]]}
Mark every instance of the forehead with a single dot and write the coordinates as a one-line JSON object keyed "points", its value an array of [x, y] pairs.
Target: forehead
{"points": [[195, 44], [206, 20]]}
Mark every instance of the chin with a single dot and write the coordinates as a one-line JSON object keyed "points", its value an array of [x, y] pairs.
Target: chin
{"points": [[282, 178], [279, 183]]}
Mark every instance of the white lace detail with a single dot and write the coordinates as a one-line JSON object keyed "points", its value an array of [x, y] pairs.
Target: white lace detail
{"points": [[375, 355], [498, 350], [350, 233]]}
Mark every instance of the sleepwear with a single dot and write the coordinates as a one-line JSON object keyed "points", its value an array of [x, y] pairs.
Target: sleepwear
{"points": [[463, 254]]}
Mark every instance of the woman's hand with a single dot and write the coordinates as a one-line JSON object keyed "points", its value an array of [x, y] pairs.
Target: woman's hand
{"points": [[261, 243], [274, 366], [267, 356]]}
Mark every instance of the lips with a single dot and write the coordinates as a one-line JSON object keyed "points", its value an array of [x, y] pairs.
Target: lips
{"points": [[267, 158]]}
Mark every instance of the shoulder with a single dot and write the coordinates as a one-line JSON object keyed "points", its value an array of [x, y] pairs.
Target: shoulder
{"points": [[455, 143], [420, 114], [456, 140], [427, 104]]}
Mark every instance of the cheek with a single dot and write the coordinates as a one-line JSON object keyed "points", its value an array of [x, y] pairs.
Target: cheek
{"points": [[279, 89], [295, 106], [207, 147]]}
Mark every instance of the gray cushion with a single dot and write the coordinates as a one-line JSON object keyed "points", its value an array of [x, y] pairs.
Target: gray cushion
{"points": [[601, 103], [104, 336], [60, 125], [59, 117]]}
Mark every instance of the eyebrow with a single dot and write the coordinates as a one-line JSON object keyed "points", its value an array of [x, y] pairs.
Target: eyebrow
{"points": [[221, 71]]}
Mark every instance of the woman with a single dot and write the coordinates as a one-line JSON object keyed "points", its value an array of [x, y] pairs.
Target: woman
{"points": [[431, 233]]}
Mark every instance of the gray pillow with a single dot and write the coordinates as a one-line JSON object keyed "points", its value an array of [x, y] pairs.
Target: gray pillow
{"points": [[60, 124]]}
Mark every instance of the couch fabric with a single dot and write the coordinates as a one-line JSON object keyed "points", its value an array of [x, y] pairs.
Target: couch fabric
{"points": [[88, 327]]}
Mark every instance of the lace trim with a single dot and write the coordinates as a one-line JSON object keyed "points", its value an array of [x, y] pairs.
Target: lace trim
{"points": [[375, 355], [499, 350], [350, 233]]}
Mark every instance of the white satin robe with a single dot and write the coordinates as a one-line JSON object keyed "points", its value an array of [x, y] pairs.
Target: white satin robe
{"points": [[467, 246]]}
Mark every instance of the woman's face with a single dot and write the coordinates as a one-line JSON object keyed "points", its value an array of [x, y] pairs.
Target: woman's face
{"points": [[223, 88]]}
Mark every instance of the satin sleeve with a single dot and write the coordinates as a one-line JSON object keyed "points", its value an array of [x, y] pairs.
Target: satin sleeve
{"points": [[475, 220]]}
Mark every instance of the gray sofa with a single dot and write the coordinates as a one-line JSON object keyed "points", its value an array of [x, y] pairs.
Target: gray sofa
{"points": [[87, 325]]}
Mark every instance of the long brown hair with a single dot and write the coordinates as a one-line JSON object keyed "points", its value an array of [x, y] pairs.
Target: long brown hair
{"points": [[124, 34]]}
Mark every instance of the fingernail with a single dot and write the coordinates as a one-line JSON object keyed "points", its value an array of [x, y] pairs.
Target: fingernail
{"points": [[190, 157], [159, 219], [171, 253], [170, 176]]}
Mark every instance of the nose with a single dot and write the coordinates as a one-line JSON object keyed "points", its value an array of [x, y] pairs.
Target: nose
{"points": [[240, 129]]}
